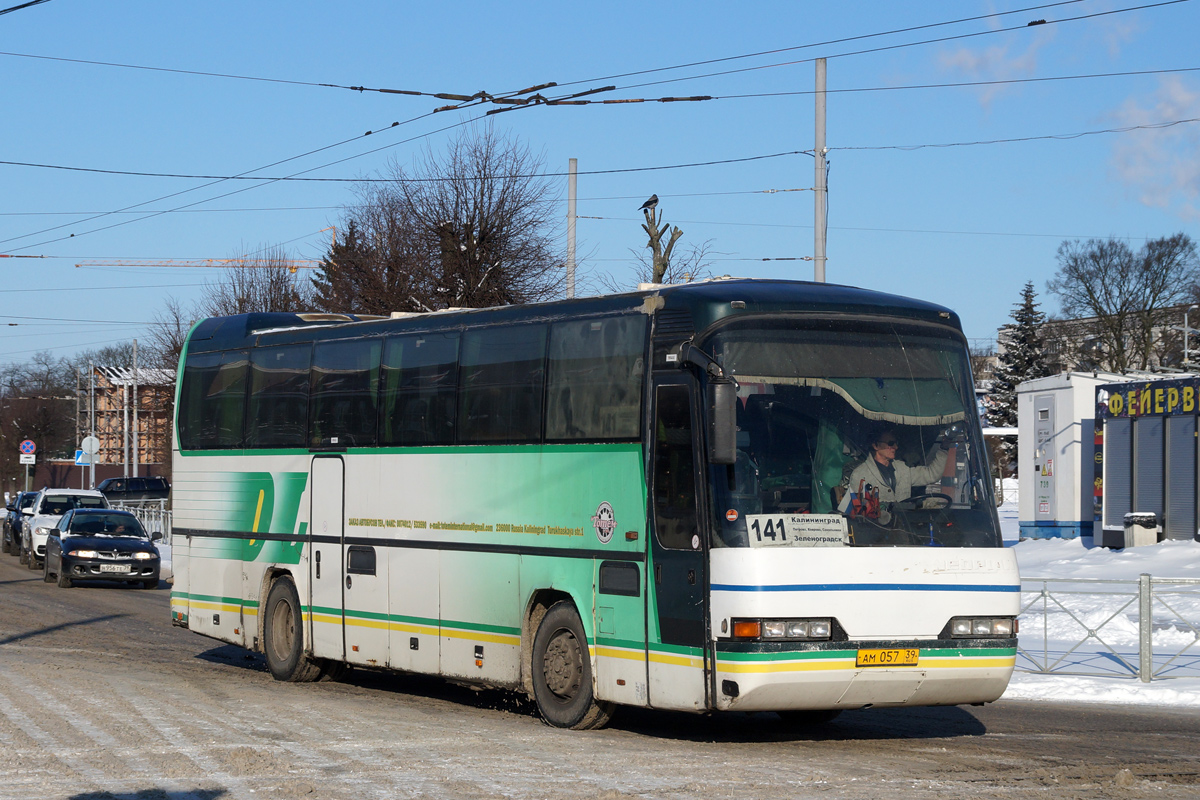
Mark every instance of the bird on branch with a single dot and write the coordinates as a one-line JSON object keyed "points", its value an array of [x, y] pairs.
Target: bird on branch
{"points": [[650, 204]]}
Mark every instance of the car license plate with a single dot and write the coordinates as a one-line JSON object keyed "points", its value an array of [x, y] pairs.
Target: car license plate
{"points": [[114, 568], [906, 657]]}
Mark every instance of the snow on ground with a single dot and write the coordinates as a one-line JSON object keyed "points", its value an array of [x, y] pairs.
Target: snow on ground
{"points": [[1054, 637]]}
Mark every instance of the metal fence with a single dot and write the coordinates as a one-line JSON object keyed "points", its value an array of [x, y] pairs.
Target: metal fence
{"points": [[1109, 628], [153, 514]]}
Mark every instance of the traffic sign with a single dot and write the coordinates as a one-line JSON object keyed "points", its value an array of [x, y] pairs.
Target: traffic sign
{"points": [[90, 445], [28, 458], [28, 447], [82, 459]]}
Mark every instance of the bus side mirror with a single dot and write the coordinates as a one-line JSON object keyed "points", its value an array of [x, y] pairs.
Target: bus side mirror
{"points": [[722, 422]]}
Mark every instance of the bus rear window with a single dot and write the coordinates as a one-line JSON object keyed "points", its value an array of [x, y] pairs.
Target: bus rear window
{"points": [[213, 398]]}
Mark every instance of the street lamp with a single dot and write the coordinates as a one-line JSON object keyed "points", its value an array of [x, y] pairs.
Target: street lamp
{"points": [[1187, 330]]}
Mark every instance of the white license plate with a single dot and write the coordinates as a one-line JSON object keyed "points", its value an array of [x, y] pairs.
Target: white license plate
{"points": [[114, 568]]}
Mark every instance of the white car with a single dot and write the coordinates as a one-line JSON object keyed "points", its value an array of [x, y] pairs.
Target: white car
{"points": [[44, 515]]}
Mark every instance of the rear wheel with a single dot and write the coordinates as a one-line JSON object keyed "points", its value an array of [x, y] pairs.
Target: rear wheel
{"points": [[562, 672], [283, 636]]}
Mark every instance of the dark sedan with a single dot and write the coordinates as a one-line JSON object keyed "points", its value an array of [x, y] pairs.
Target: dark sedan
{"points": [[98, 544], [13, 521]]}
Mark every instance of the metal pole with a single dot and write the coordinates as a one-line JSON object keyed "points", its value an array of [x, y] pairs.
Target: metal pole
{"points": [[137, 453], [572, 185], [78, 421], [1145, 641], [92, 422], [820, 190]]}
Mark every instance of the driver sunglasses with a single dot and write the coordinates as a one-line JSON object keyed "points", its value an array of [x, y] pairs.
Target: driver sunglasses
{"points": [[889, 443]]}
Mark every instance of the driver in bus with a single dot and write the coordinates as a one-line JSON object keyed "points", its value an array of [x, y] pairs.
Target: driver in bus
{"points": [[891, 477]]}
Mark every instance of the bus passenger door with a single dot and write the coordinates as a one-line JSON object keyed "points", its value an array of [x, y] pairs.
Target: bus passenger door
{"points": [[326, 572], [677, 617]]}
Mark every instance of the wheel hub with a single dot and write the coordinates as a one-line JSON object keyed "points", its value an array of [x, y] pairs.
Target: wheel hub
{"points": [[563, 665]]}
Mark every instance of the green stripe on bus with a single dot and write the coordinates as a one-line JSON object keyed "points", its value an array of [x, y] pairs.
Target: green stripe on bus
{"points": [[465, 449]]}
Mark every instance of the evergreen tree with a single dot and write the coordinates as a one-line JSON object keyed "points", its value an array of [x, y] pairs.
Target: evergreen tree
{"points": [[1022, 357]]}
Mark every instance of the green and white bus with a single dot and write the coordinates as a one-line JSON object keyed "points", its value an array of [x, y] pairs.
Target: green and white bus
{"points": [[640, 499]]}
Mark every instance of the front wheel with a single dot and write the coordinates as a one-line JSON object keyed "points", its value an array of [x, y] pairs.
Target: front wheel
{"points": [[22, 554], [63, 581], [283, 636], [562, 672], [46, 571]]}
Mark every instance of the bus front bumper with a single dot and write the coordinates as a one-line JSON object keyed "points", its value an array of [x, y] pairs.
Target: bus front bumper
{"points": [[856, 674]]}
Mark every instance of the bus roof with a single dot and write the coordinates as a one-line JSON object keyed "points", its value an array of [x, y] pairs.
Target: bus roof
{"points": [[684, 309]]}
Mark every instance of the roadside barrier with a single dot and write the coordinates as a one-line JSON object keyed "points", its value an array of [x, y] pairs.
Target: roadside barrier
{"points": [[1147, 628]]}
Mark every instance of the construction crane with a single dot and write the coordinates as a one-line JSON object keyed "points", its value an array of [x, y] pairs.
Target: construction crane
{"points": [[291, 263]]}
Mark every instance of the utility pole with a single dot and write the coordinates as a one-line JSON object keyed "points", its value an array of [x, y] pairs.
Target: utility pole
{"points": [[125, 424], [92, 422], [78, 420], [572, 186], [136, 452], [820, 189]]}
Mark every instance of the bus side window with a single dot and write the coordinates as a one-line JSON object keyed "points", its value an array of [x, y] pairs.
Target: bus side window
{"points": [[502, 376], [595, 380], [675, 521], [278, 413], [214, 394], [345, 386], [420, 374]]}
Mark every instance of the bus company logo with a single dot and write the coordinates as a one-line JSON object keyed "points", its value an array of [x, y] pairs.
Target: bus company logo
{"points": [[605, 522]]}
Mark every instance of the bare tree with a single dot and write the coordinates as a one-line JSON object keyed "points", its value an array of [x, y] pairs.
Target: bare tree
{"points": [[474, 226], [265, 282], [168, 334], [656, 228], [1123, 299]]}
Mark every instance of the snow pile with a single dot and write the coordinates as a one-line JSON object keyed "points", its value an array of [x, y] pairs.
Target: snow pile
{"points": [[1054, 630]]}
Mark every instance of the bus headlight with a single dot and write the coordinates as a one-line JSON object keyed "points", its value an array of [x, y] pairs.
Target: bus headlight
{"points": [[783, 629], [981, 627]]}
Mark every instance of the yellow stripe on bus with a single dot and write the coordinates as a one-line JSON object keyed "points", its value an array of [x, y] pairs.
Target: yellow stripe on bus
{"points": [[475, 636]]}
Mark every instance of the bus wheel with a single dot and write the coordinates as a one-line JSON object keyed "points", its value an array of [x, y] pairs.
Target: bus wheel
{"points": [[283, 635], [802, 718], [562, 672]]}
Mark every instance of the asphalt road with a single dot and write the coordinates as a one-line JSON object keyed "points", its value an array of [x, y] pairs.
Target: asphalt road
{"points": [[100, 697]]}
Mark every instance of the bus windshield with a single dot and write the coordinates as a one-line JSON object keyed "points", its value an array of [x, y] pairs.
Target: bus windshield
{"points": [[851, 435]]}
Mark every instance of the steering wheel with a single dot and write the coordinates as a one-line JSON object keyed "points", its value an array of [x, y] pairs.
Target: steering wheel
{"points": [[910, 503]]}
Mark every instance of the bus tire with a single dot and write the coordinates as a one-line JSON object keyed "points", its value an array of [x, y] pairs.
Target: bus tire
{"points": [[562, 672], [805, 718], [283, 636], [333, 670]]}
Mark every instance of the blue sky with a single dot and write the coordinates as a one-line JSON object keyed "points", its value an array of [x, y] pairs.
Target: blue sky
{"points": [[965, 226]]}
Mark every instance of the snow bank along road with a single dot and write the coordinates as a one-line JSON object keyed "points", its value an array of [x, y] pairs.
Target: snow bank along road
{"points": [[101, 698]]}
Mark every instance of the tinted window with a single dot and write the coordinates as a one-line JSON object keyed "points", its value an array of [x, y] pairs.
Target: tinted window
{"points": [[595, 380], [675, 520], [58, 504], [213, 400], [419, 377], [345, 380], [278, 412], [501, 377], [106, 524]]}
